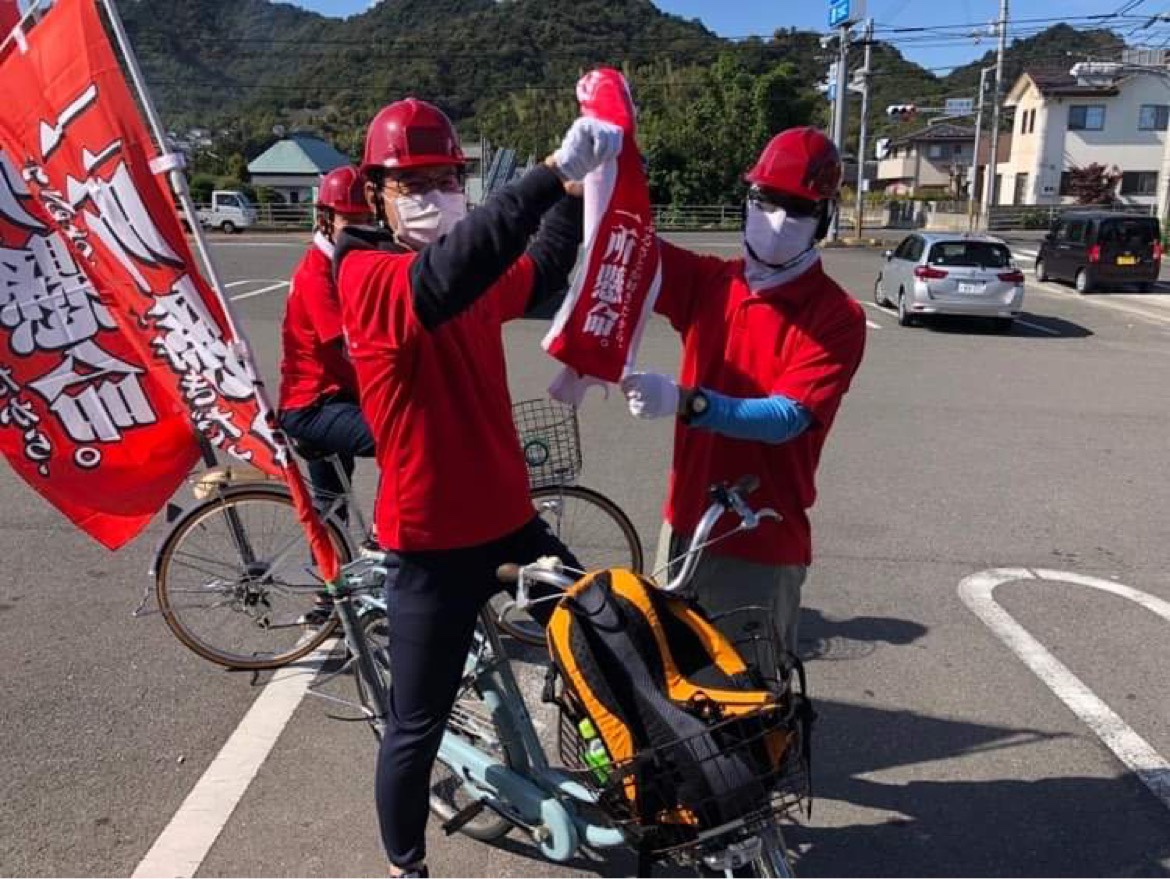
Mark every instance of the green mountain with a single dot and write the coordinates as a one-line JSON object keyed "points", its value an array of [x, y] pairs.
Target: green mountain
{"points": [[505, 70]]}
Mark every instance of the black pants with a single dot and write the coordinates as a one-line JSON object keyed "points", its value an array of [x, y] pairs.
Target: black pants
{"points": [[432, 607], [337, 425]]}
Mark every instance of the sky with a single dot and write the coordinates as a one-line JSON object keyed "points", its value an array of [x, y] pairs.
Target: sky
{"points": [[738, 18]]}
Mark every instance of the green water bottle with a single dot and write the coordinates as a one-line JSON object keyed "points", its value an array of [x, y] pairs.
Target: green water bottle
{"points": [[596, 757]]}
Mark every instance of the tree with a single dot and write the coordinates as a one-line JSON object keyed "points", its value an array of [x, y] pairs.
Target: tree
{"points": [[1094, 184]]}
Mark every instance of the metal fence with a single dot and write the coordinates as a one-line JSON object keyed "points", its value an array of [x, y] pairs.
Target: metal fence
{"points": [[1015, 218], [274, 216]]}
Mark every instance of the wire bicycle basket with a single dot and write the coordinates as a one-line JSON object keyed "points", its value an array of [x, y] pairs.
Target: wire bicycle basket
{"points": [[550, 439], [697, 794]]}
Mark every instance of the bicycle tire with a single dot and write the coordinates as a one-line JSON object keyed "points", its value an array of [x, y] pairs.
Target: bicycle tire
{"points": [[620, 548], [377, 636], [487, 826], [774, 859], [278, 502]]}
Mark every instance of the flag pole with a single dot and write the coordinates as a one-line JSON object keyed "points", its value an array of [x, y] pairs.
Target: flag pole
{"points": [[21, 25], [311, 520]]}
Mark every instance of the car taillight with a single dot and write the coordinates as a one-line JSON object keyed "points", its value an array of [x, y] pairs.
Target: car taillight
{"points": [[929, 273], [1158, 251], [1016, 277], [1095, 253]]}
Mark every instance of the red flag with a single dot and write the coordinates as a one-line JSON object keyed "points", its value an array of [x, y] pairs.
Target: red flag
{"points": [[9, 16], [599, 326], [111, 344]]}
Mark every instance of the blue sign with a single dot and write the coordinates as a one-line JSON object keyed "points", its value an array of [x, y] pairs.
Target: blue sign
{"points": [[839, 13]]}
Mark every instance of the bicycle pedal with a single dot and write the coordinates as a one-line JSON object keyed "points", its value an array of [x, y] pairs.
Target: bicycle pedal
{"points": [[461, 818]]}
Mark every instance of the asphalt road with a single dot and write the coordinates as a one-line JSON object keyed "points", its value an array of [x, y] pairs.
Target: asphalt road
{"points": [[938, 750]]}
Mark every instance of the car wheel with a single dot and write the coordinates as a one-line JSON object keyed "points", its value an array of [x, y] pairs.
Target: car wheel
{"points": [[1083, 282], [1041, 271], [1004, 324], [227, 227], [878, 296], [905, 318]]}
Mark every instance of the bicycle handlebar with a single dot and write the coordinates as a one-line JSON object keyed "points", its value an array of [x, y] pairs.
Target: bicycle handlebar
{"points": [[724, 499]]}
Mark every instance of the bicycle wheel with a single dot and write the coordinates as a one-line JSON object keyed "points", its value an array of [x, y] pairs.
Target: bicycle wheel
{"points": [[469, 719], [596, 529], [773, 860], [376, 632], [472, 721], [235, 576]]}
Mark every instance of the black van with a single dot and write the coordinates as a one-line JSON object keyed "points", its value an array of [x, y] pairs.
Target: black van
{"points": [[1097, 249]]}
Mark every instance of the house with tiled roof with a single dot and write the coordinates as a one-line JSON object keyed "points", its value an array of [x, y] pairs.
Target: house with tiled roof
{"points": [[932, 161], [1116, 117], [293, 166]]}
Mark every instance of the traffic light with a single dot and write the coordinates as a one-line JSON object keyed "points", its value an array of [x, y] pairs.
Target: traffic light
{"points": [[902, 112]]}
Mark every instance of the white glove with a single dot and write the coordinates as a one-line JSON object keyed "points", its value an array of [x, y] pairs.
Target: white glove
{"points": [[651, 394], [588, 143]]}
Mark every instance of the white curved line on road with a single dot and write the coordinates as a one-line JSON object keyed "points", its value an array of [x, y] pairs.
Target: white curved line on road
{"points": [[182, 847], [1131, 749]]}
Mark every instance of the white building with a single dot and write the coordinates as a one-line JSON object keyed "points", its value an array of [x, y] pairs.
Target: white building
{"points": [[1061, 123]]}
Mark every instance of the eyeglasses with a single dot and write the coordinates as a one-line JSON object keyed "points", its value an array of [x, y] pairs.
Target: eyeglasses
{"points": [[770, 200], [420, 183]]}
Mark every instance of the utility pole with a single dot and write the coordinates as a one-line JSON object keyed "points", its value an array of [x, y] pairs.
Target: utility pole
{"points": [[839, 109], [972, 204], [861, 144], [990, 196]]}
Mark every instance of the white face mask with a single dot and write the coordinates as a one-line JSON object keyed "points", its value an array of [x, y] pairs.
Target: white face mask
{"points": [[774, 237], [423, 218]]}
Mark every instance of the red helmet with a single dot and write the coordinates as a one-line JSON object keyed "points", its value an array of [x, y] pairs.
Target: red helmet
{"points": [[800, 161], [411, 134], [343, 190]]}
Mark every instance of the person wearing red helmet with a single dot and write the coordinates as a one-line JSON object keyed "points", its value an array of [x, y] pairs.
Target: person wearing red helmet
{"points": [[318, 387], [770, 346], [424, 297]]}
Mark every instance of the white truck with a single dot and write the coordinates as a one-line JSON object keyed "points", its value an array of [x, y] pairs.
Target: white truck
{"points": [[230, 211]]}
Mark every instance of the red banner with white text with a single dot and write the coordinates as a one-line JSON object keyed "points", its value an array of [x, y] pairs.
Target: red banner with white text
{"points": [[599, 326], [113, 349]]}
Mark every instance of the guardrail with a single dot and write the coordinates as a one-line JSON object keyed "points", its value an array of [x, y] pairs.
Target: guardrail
{"points": [[1016, 218]]}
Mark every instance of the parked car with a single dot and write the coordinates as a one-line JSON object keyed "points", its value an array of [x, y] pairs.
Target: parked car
{"points": [[230, 211], [933, 273], [1097, 249]]}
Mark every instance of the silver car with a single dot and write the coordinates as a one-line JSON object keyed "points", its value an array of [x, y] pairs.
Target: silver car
{"points": [[937, 273]]}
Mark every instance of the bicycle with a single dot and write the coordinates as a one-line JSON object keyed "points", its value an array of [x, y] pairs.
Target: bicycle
{"points": [[493, 773], [234, 578]]}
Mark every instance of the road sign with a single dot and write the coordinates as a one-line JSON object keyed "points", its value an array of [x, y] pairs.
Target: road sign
{"points": [[845, 12], [959, 106]]}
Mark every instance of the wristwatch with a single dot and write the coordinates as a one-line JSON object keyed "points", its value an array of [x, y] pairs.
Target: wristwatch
{"points": [[692, 403]]}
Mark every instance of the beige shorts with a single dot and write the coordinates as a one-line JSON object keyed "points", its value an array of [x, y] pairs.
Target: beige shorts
{"points": [[739, 595]]}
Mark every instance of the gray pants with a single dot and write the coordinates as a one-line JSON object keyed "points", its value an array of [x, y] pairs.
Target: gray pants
{"points": [[724, 584]]}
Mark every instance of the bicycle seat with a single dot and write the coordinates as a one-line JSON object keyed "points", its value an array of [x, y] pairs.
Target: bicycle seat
{"points": [[309, 452]]}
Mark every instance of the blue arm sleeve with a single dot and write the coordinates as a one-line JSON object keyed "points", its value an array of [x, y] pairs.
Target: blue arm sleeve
{"points": [[775, 419]]}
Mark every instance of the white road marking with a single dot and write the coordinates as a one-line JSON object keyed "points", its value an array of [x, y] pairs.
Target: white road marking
{"points": [[232, 284], [882, 308], [181, 848], [1037, 327], [1130, 748], [277, 286], [873, 325]]}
